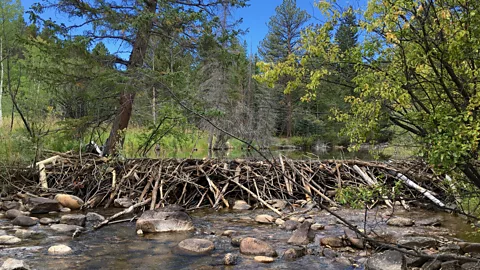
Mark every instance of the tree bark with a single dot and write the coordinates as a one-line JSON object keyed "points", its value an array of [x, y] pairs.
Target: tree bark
{"points": [[472, 174], [289, 115], [1, 80], [137, 56]]}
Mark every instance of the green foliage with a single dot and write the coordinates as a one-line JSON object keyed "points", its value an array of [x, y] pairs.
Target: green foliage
{"points": [[360, 196]]}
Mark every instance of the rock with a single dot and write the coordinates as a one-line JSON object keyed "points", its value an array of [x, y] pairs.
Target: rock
{"points": [[59, 250], [429, 222], [139, 232], [21, 233], [197, 246], [451, 248], [236, 241], [166, 219], [343, 261], [14, 264], [355, 242], [450, 265], [415, 261], [9, 240], [418, 242], [264, 219], [47, 221], [300, 236], [329, 253], [73, 219], [41, 205], [317, 227], [69, 201], [245, 219], [294, 253], [65, 210], [263, 259], [279, 221], [301, 219], [94, 217], [291, 225], [3, 232], [24, 221], [332, 241], [469, 247], [11, 205], [256, 247], [65, 228], [123, 202], [293, 218], [241, 205], [230, 259], [470, 266], [229, 233], [432, 265], [400, 222], [277, 204], [387, 260], [13, 213]]}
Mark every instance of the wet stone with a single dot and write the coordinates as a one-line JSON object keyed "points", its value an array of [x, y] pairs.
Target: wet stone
{"points": [[166, 219], [300, 236], [241, 205], [277, 204], [264, 219], [236, 241], [9, 240], [263, 259], [450, 265], [123, 202], [331, 241], [24, 221], [291, 225], [59, 250], [11, 205], [198, 246], [41, 205], [230, 259], [47, 221], [429, 222], [65, 228], [432, 265], [253, 246], [14, 264], [65, 210], [13, 213], [73, 219], [470, 247], [229, 233], [317, 227], [294, 253], [400, 222], [470, 266], [279, 221], [418, 242], [69, 201], [329, 253], [387, 260]]}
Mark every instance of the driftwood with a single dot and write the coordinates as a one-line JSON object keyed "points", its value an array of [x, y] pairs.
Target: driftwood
{"points": [[124, 212]]}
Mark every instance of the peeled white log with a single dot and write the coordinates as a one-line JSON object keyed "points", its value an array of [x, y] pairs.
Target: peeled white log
{"points": [[422, 190], [365, 176]]}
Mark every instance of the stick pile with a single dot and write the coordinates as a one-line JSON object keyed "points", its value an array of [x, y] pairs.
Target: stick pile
{"points": [[195, 183]]}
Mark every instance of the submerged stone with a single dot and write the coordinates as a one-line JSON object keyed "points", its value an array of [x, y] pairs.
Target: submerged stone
{"points": [[167, 219], [253, 246], [14, 264], [195, 245]]}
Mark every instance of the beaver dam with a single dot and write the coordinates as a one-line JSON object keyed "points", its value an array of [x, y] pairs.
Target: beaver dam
{"points": [[195, 183], [310, 232]]}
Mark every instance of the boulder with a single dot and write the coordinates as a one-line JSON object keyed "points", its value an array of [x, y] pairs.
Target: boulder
{"points": [[469, 247], [291, 225], [263, 259], [300, 236], [197, 246], [14, 264], [241, 205], [166, 219], [264, 219], [59, 250], [332, 241], [9, 240], [294, 253], [123, 202], [13, 213], [256, 247], [73, 219], [41, 205], [65, 228], [11, 205], [69, 201], [387, 260], [47, 221], [25, 221], [418, 242], [230, 259], [400, 222], [451, 265]]}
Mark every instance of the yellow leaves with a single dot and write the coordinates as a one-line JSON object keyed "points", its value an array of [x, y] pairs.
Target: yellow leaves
{"points": [[391, 37]]}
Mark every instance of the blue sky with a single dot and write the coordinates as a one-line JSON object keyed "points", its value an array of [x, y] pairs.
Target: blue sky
{"points": [[255, 17]]}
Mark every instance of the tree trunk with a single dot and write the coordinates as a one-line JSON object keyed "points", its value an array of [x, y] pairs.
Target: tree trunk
{"points": [[137, 56], [1, 80], [289, 115]]}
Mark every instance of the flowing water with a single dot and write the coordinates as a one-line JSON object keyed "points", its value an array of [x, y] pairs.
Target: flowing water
{"points": [[117, 246]]}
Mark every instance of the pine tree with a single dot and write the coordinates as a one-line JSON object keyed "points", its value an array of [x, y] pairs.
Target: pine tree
{"points": [[281, 41]]}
